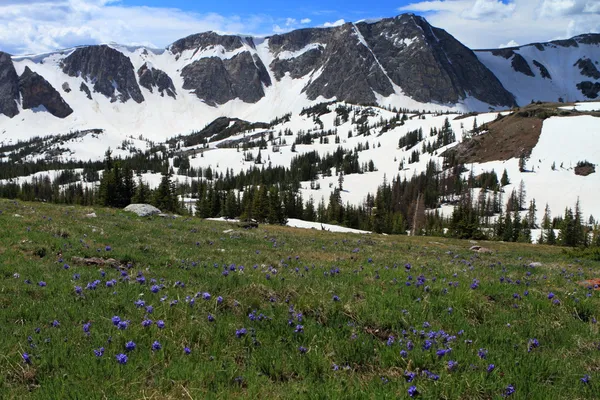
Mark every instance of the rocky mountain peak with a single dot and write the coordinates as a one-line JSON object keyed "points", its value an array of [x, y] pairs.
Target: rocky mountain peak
{"points": [[36, 92], [207, 39], [109, 70], [9, 86]]}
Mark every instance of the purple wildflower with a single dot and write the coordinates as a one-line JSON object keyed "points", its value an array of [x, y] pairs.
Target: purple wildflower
{"points": [[412, 391], [130, 346], [240, 332], [156, 346], [510, 389], [160, 323], [121, 358], [99, 352], [482, 353], [26, 358]]}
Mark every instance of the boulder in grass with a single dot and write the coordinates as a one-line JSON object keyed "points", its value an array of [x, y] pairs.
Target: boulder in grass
{"points": [[143, 210]]}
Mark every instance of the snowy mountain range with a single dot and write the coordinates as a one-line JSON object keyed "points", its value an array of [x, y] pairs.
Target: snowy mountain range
{"points": [[211, 98], [402, 62]]}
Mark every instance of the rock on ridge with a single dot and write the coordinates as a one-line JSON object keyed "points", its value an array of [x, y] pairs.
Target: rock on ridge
{"points": [[217, 81], [9, 86], [37, 91], [107, 69], [151, 78]]}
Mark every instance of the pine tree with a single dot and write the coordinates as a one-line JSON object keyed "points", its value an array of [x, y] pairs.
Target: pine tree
{"points": [[504, 180], [165, 198], [142, 193]]}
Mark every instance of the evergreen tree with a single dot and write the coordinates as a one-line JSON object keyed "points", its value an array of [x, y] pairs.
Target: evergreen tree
{"points": [[504, 180], [165, 197]]}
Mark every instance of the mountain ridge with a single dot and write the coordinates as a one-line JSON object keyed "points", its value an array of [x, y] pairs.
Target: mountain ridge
{"points": [[401, 62]]}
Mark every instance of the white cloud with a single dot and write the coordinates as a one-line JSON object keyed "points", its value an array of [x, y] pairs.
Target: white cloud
{"points": [[512, 43], [336, 23], [492, 9], [34, 26], [305, 21], [490, 23]]}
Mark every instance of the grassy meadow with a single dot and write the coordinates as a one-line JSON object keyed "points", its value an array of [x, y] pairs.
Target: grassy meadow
{"points": [[199, 310]]}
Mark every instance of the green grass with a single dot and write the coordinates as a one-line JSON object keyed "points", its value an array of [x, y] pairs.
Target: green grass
{"points": [[352, 333]]}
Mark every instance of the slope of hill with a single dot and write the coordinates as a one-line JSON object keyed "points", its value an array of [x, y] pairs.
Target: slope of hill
{"points": [[561, 70]]}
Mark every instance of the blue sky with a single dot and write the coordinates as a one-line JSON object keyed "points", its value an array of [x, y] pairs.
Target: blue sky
{"points": [[37, 26], [318, 11]]}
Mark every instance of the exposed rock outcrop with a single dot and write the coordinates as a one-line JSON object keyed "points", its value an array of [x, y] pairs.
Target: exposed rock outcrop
{"points": [[519, 64], [37, 91], [109, 70], [543, 70], [151, 78], [9, 86], [142, 210], [588, 68], [217, 81]]}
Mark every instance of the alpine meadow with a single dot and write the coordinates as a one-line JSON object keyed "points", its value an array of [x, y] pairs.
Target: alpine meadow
{"points": [[332, 210]]}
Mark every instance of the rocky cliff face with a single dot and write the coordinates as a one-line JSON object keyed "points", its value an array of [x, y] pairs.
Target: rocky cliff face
{"points": [[9, 86], [361, 60], [36, 92], [217, 81], [152, 78], [364, 62], [110, 71]]}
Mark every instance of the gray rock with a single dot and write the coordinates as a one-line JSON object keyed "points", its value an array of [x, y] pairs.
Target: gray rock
{"points": [[535, 264], [66, 87], [37, 91], [9, 86], [218, 81], [85, 89], [209, 39], [143, 210], [587, 68], [519, 64], [109, 70], [151, 78], [543, 70], [480, 249], [589, 89], [359, 60]]}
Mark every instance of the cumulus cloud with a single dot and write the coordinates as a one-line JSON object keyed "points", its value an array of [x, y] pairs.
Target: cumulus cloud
{"points": [[512, 43], [490, 23], [336, 23], [34, 26], [305, 21]]}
